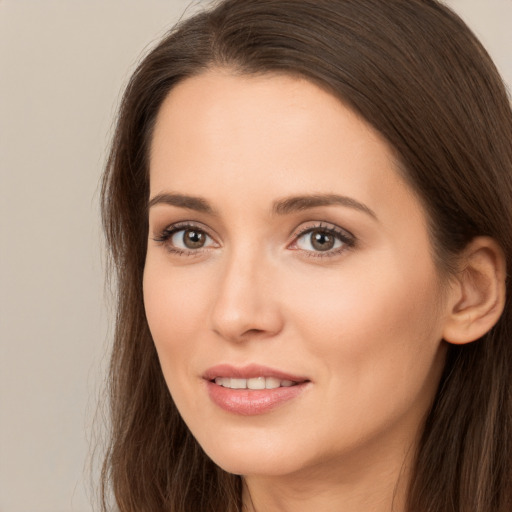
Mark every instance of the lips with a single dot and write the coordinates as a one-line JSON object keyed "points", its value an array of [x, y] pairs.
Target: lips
{"points": [[253, 383], [251, 371], [252, 389]]}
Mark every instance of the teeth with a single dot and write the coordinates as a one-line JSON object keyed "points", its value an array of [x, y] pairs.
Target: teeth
{"points": [[256, 383], [253, 383], [238, 383], [272, 383]]}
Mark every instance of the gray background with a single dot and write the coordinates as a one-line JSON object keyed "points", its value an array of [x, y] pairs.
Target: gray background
{"points": [[63, 64]]}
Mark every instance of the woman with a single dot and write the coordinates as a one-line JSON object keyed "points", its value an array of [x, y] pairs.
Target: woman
{"points": [[308, 208]]}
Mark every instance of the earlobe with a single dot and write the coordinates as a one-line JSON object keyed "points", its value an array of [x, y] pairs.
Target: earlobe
{"points": [[477, 297]]}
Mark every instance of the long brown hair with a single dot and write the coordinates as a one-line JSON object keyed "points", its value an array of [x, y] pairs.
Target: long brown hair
{"points": [[413, 70]]}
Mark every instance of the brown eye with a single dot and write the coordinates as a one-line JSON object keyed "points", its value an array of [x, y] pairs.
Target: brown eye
{"points": [[189, 239], [193, 239], [321, 241]]}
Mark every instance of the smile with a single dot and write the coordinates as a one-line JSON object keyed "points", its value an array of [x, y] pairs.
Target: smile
{"points": [[252, 390], [254, 383]]}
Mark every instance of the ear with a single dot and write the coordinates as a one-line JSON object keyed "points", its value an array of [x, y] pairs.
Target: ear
{"points": [[477, 297]]}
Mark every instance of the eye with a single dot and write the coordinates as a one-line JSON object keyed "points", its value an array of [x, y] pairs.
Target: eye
{"points": [[323, 240], [185, 239], [191, 238]]}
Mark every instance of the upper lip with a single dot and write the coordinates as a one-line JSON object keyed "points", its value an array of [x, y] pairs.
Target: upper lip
{"points": [[248, 372]]}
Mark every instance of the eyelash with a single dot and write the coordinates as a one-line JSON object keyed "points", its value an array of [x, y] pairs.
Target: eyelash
{"points": [[347, 239], [165, 236]]}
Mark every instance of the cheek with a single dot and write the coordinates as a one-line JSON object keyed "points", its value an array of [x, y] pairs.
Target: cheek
{"points": [[175, 302], [362, 303], [375, 334]]}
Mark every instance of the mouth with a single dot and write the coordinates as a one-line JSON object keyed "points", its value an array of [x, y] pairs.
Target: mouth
{"points": [[252, 376], [254, 383], [253, 389]]}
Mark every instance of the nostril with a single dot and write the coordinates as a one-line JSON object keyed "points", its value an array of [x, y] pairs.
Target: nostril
{"points": [[253, 332]]}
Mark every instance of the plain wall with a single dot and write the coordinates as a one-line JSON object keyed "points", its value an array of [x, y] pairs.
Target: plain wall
{"points": [[62, 66]]}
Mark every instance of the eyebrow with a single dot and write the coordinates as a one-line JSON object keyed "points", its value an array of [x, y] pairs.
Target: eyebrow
{"points": [[284, 206], [182, 201], [300, 203]]}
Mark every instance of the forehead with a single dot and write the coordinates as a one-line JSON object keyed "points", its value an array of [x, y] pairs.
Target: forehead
{"points": [[227, 136]]}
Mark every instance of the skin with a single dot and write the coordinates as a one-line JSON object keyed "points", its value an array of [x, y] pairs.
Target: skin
{"points": [[363, 322]]}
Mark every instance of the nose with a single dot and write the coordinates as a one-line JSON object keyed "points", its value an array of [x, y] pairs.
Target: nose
{"points": [[247, 303]]}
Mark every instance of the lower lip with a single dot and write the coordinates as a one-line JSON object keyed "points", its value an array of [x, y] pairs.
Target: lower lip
{"points": [[248, 402]]}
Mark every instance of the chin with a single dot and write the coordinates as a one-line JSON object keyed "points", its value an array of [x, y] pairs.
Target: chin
{"points": [[271, 466], [253, 458]]}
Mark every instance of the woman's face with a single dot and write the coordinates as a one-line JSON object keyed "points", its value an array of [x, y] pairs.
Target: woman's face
{"points": [[286, 252]]}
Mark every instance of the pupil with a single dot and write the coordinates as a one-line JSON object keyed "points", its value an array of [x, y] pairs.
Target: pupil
{"points": [[322, 241], [193, 239]]}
